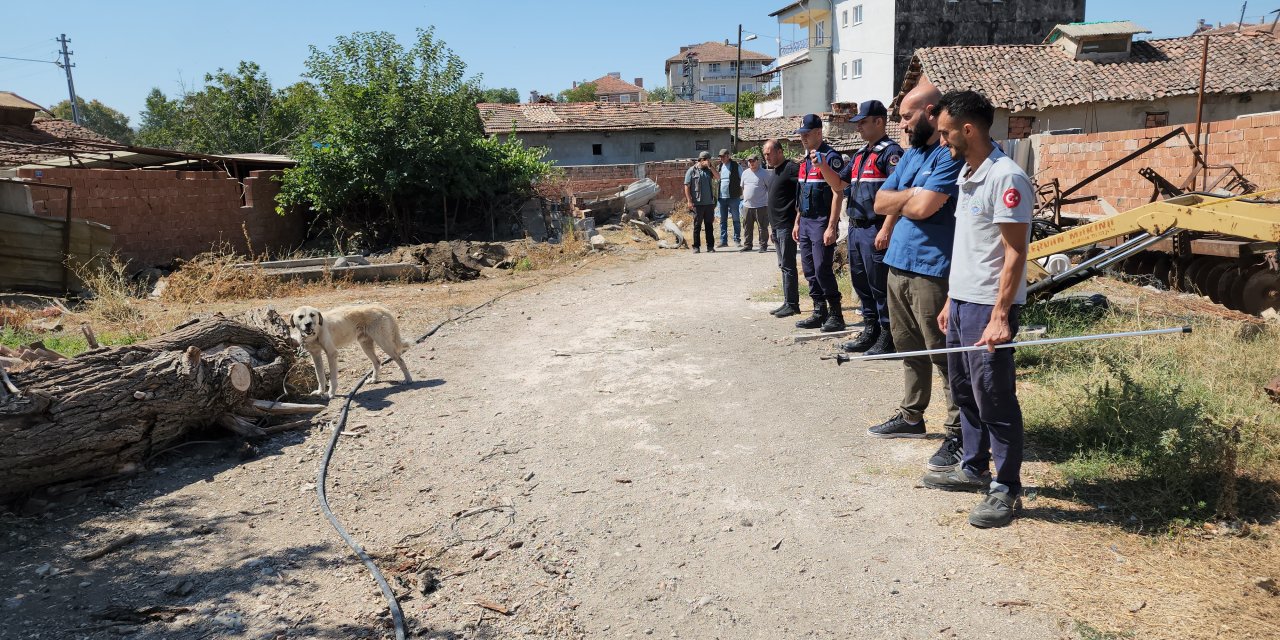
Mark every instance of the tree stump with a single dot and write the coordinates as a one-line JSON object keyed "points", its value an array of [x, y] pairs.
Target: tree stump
{"points": [[108, 409]]}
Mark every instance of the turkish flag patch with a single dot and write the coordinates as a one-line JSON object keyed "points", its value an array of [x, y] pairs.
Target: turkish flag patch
{"points": [[1012, 198]]}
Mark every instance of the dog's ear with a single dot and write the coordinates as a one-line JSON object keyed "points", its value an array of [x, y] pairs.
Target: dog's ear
{"points": [[319, 318], [291, 323]]}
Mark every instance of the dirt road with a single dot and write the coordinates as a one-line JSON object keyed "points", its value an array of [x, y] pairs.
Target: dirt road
{"points": [[657, 459]]}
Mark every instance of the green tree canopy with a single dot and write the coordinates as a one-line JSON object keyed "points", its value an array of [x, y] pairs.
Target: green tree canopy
{"points": [[746, 104], [584, 92], [236, 112], [98, 118], [507, 95], [661, 94], [396, 150]]}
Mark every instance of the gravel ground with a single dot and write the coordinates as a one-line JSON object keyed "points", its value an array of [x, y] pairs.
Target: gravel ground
{"points": [[634, 450]]}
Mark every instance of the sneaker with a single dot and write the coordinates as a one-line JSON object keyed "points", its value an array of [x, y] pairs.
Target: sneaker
{"points": [[897, 427], [722, 245], [948, 455], [787, 310], [697, 249], [957, 479], [764, 249], [711, 249], [996, 510], [745, 248]]}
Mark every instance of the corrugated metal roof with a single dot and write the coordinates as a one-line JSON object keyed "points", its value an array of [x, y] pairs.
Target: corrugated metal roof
{"points": [[1086, 29], [11, 100]]}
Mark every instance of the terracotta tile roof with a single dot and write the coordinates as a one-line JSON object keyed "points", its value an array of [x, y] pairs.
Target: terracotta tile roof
{"points": [[609, 85], [1034, 77], [841, 136], [1269, 28], [718, 52], [602, 116], [17, 141], [1090, 29]]}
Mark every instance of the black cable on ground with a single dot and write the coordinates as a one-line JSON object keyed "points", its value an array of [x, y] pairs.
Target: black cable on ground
{"points": [[397, 616]]}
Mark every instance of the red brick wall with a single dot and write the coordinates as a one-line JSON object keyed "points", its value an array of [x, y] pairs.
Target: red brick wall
{"points": [[599, 177], [670, 178], [1251, 143], [157, 216]]}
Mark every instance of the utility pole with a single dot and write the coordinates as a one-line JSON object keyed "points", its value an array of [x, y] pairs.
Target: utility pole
{"points": [[71, 85], [737, 91]]}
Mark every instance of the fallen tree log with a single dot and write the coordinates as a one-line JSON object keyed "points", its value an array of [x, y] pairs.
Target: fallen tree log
{"points": [[106, 410]]}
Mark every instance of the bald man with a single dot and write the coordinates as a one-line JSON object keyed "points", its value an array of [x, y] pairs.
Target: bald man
{"points": [[918, 201]]}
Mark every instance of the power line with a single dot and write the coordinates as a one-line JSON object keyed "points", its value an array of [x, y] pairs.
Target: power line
{"points": [[29, 60]]}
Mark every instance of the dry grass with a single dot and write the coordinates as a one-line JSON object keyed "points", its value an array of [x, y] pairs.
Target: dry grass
{"points": [[1110, 537]]}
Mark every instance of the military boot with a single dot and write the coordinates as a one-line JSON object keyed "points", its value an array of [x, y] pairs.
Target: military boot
{"points": [[835, 319], [883, 344], [864, 341], [816, 319]]}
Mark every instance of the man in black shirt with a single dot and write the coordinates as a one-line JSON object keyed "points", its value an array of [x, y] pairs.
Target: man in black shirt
{"points": [[782, 215]]}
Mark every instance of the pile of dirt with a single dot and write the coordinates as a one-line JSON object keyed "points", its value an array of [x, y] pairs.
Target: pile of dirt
{"points": [[451, 261]]}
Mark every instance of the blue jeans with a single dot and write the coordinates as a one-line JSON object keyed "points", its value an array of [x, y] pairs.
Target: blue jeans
{"points": [[730, 206], [983, 386]]}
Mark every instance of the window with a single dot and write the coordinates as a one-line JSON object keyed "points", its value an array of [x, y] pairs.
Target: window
{"points": [[597, 149], [1157, 119], [747, 88], [1021, 126], [857, 14], [702, 145], [844, 18], [713, 67], [733, 65], [647, 147], [857, 68], [820, 33], [717, 90], [626, 97], [844, 70]]}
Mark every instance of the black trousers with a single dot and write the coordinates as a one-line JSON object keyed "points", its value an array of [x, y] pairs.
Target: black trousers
{"points": [[704, 217]]}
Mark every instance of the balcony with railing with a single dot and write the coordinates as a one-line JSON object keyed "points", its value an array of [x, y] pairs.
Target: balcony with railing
{"points": [[806, 43]]}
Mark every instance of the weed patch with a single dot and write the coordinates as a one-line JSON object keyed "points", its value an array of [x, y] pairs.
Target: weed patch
{"points": [[1159, 431]]}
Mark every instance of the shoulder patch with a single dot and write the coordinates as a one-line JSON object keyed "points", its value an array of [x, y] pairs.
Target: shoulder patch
{"points": [[1011, 197], [893, 160], [836, 162]]}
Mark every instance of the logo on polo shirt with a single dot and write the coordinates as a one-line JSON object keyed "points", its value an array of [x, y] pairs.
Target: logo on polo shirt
{"points": [[1012, 198]]}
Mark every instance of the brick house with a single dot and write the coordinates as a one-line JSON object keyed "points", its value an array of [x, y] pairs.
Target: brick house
{"points": [[612, 88], [1096, 77], [604, 133]]}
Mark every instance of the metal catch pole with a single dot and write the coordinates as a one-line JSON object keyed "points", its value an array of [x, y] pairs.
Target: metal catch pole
{"points": [[841, 358]]}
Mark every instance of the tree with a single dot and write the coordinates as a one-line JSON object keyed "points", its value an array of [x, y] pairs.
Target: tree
{"points": [[396, 136], [662, 94], [236, 112], [584, 92], [506, 95], [98, 118], [746, 104]]}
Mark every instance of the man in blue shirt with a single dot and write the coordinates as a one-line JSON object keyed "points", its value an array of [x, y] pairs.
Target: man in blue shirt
{"points": [[918, 201], [730, 198]]}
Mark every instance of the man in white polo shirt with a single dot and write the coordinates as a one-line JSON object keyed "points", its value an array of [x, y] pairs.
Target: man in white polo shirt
{"points": [[987, 288]]}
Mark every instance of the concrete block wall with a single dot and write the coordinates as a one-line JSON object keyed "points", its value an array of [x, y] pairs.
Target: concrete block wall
{"points": [[157, 216], [1251, 144]]}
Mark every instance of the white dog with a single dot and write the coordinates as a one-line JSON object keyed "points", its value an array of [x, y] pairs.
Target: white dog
{"points": [[368, 324]]}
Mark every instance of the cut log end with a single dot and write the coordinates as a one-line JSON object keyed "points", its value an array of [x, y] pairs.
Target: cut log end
{"points": [[241, 377]]}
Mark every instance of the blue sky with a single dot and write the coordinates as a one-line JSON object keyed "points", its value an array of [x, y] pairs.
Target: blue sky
{"points": [[123, 49]]}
